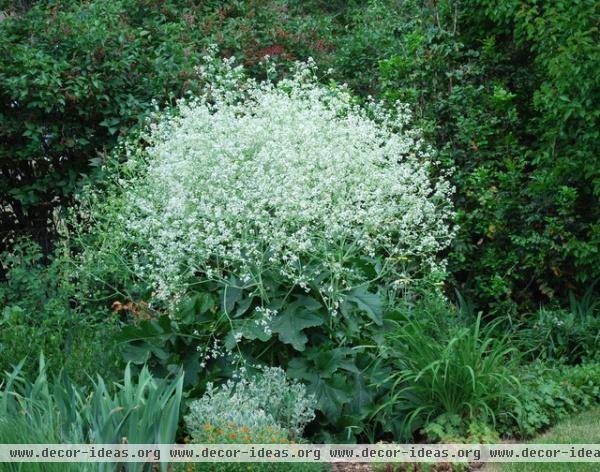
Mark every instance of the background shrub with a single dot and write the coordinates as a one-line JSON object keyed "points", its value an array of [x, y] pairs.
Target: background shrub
{"points": [[42, 312], [495, 83]]}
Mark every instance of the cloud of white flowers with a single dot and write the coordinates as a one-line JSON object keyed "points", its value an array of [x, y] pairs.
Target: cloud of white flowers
{"points": [[290, 177]]}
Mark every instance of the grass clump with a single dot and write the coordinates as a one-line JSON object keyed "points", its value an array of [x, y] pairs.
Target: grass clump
{"points": [[446, 380]]}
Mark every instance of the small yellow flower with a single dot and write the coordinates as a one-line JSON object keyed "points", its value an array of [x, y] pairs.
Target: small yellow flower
{"points": [[208, 427], [244, 429]]}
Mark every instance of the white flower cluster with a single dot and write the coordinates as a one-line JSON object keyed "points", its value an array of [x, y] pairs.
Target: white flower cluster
{"points": [[267, 399], [292, 178], [208, 353], [266, 315]]}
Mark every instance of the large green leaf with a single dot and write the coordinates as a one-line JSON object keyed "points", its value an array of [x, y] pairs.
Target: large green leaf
{"points": [[291, 322], [362, 396], [147, 339], [302, 368], [328, 361], [371, 303], [249, 329], [331, 395], [197, 308], [232, 294]]}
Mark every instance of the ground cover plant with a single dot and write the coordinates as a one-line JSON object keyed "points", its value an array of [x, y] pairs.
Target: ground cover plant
{"points": [[373, 221], [264, 408]]}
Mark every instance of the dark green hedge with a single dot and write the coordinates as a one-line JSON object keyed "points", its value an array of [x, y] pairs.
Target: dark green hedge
{"points": [[509, 93]]}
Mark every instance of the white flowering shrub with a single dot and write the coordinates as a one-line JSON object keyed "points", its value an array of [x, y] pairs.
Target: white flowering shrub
{"points": [[266, 405], [292, 179], [270, 220]]}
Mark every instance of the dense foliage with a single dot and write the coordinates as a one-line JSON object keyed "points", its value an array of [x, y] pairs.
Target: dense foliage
{"points": [[253, 409], [396, 238], [462, 372], [511, 91], [42, 311]]}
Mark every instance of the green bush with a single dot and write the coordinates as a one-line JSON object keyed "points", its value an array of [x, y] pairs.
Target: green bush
{"points": [[248, 403], [507, 93], [264, 408], [569, 335], [42, 312], [561, 335], [463, 373]]}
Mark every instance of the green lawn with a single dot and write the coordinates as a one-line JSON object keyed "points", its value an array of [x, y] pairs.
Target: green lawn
{"points": [[582, 428]]}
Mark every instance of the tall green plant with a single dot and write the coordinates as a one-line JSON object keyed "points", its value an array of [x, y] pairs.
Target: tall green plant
{"points": [[40, 301], [464, 372], [142, 410], [508, 92], [569, 335]]}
